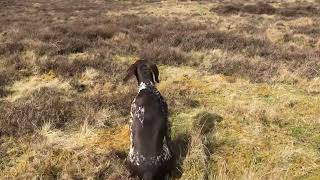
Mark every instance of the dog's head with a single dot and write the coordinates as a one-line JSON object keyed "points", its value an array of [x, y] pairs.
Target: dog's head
{"points": [[143, 70]]}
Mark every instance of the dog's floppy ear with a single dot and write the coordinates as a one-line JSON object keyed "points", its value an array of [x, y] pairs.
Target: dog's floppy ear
{"points": [[130, 72], [155, 71]]}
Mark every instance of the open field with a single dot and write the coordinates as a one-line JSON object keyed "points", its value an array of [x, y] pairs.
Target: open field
{"points": [[242, 81]]}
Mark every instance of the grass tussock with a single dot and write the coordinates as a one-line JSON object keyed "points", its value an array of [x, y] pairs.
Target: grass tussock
{"points": [[54, 163], [28, 114]]}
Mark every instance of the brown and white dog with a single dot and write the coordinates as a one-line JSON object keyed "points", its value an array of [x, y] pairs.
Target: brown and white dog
{"points": [[150, 155]]}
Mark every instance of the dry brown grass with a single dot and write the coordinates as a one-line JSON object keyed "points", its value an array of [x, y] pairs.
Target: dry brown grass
{"points": [[26, 115], [286, 9], [163, 41], [241, 81]]}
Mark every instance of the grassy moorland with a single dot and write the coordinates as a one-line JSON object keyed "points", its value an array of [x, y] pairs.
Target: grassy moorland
{"points": [[242, 81]]}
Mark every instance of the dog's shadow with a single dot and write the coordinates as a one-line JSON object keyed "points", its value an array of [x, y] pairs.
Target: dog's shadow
{"points": [[180, 149], [204, 123]]}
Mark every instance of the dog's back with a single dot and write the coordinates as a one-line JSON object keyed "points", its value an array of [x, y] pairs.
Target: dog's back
{"points": [[150, 152], [150, 156]]}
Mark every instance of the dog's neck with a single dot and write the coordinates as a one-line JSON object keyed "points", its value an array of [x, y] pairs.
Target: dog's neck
{"points": [[146, 85]]}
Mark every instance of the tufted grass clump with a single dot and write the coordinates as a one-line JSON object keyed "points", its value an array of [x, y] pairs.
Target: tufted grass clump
{"points": [[205, 122]]}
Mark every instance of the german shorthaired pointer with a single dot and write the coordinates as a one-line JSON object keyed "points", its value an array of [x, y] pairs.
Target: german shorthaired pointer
{"points": [[150, 155]]}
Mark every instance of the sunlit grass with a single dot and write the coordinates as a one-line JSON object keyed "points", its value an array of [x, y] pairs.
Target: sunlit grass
{"points": [[238, 111]]}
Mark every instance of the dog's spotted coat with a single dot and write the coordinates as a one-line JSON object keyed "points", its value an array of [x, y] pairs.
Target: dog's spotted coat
{"points": [[138, 112]]}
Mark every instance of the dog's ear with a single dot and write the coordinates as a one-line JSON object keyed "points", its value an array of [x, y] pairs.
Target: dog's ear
{"points": [[130, 72], [155, 71]]}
